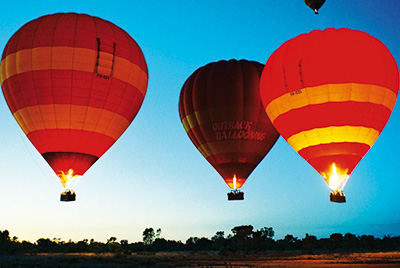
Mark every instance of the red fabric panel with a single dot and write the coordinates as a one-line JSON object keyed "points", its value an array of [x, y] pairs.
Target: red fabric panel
{"points": [[68, 140], [61, 161], [230, 164], [332, 114], [74, 30], [72, 87], [331, 56], [345, 155]]}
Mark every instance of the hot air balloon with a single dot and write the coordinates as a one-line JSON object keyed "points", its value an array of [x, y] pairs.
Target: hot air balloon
{"points": [[73, 83], [221, 111], [314, 4], [329, 94]]}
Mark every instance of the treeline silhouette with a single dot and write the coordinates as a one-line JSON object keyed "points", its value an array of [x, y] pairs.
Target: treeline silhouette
{"points": [[243, 239]]}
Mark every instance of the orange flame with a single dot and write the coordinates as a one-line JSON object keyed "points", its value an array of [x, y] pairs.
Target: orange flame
{"points": [[337, 179], [66, 178], [234, 182]]}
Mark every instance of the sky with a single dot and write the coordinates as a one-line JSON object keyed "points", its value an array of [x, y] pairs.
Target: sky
{"points": [[153, 176]]}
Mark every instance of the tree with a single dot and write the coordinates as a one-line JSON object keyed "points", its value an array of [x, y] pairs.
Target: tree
{"points": [[243, 231], [262, 239], [190, 242], [289, 243], [267, 232], [309, 243], [367, 242], [46, 245], [218, 235], [220, 242], [158, 233], [111, 240], [351, 241], [149, 236], [242, 236], [96, 247]]}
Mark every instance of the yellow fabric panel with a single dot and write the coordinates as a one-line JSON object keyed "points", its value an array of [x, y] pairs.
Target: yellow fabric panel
{"points": [[62, 58], [78, 116], [328, 135], [103, 70], [192, 120], [331, 93], [189, 122], [84, 60], [24, 61], [137, 78], [78, 59], [66, 116], [106, 56], [185, 122], [41, 58], [2, 71], [11, 66], [122, 69], [105, 63], [205, 150]]}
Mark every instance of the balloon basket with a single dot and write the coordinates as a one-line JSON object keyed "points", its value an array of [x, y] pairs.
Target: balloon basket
{"points": [[337, 197], [67, 196], [235, 195]]}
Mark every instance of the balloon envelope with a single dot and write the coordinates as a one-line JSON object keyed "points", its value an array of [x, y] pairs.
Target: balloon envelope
{"points": [[221, 111], [314, 4], [74, 83], [329, 94]]}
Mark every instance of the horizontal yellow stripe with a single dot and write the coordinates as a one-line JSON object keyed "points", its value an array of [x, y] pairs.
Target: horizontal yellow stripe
{"points": [[331, 93], [328, 135], [69, 58], [66, 116]]}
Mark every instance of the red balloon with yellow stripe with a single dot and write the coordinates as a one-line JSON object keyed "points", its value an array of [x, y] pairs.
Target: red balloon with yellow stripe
{"points": [[74, 83], [329, 94], [221, 111]]}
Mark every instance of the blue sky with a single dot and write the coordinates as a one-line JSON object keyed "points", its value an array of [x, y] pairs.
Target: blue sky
{"points": [[154, 177]]}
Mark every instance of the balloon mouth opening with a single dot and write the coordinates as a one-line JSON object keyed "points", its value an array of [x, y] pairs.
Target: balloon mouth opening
{"points": [[336, 179], [69, 179], [235, 183]]}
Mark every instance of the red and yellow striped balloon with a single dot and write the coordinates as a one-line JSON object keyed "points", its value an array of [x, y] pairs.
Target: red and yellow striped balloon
{"points": [[221, 111], [329, 94], [74, 83]]}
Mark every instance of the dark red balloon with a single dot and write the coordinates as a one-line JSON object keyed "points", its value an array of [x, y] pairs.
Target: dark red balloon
{"points": [[221, 111]]}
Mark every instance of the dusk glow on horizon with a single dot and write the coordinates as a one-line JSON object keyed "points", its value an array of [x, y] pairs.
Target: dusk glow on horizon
{"points": [[153, 176]]}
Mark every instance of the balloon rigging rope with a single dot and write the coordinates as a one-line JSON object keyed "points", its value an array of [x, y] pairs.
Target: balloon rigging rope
{"points": [[29, 149]]}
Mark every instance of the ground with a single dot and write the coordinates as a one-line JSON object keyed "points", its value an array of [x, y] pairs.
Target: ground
{"points": [[206, 259]]}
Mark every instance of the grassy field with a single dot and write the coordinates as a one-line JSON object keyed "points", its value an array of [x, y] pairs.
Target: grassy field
{"points": [[271, 260]]}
